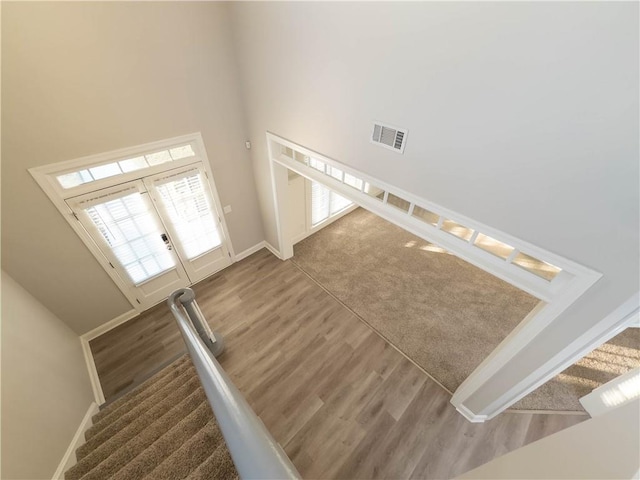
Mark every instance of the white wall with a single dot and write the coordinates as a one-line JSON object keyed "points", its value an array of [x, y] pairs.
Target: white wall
{"points": [[523, 116], [603, 447], [45, 386], [82, 78]]}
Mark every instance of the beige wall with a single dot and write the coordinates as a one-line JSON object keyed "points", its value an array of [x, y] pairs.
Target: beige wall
{"points": [[45, 386], [80, 78], [521, 115], [604, 447]]}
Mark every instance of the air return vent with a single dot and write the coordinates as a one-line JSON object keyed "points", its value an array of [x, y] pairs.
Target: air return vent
{"points": [[389, 137]]}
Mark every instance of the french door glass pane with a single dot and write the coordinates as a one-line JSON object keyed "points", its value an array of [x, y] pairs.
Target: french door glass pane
{"points": [[134, 237], [190, 214]]}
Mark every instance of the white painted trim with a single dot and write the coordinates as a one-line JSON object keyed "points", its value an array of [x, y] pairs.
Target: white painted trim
{"points": [[277, 207], [125, 317], [69, 457], [299, 238], [92, 371], [110, 325], [508, 272], [469, 415], [250, 251], [214, 191], [86, 238], [557, 295], [538, 252], [45, 178], [311, 230], [88, 355], [50, 171], [603, 331], [273, 250], [634, 321]]}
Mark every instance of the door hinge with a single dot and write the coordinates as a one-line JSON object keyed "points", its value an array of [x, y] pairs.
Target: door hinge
{"points": [[219, 220], [229, 253], [138, 301], [75, 215], [111, 265]]}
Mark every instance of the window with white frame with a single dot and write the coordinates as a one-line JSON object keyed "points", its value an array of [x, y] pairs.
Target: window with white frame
{"points": [[148, 213], [325, 203], [90, 174]]}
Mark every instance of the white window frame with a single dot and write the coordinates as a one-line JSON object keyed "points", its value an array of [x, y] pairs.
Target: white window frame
{"points": [[46, 175]]}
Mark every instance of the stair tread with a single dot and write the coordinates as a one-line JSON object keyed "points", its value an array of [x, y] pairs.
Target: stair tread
{"points": [[190, 455], [161, 449], [218, 465], [143, 414], [144, 389], [114, 423], [141, 434], [163, 429]]}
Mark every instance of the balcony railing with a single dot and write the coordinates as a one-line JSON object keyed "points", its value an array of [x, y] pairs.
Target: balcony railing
{"points": [[254, 451]]}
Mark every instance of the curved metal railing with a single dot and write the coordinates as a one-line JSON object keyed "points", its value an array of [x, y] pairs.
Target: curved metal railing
{"points": [[255, 452]]}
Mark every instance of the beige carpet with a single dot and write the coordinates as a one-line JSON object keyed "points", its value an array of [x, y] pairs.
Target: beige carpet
{"points": [[612, 359], [164, 429], [443, 313]]}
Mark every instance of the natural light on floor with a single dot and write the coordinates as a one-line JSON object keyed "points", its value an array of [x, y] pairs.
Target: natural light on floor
{"points": [[625, 391]]}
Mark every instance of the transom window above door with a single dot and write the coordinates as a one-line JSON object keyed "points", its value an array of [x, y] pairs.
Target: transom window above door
{"points": [[150, 214], [126, 165]]}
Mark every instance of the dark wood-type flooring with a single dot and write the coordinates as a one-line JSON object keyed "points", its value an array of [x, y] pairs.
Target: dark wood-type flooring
{"points": [[341, 401]]}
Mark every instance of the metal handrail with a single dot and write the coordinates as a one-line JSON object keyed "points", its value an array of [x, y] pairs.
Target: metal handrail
{"points": [[254, 451]]}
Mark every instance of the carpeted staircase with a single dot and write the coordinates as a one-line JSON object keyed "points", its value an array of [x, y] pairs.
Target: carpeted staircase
{"points": [[164, 429]]}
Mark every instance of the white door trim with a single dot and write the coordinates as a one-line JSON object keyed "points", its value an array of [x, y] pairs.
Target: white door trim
{"points": [[190, 264], [556, 296], [45, 177], [178, 271]]}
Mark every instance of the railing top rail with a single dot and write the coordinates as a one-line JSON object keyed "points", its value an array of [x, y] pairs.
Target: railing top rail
{"points": [[255, 452]]}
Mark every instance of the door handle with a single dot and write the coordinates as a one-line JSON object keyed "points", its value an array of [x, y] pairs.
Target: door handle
{"points": [[166, 241]]}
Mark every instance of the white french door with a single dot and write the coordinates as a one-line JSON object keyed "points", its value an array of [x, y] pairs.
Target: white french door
{"points": [[159, 233], [184, 202]]}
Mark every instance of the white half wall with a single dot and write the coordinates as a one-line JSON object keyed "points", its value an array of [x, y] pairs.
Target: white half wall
{"points": [[603, 447], [521, 115], [45, 386]]}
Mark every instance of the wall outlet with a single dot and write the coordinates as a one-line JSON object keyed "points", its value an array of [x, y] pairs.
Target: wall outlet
{"points": [[227, 209]]}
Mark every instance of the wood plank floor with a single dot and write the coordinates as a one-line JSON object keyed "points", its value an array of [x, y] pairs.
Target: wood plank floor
{"points": [[341, 401]]}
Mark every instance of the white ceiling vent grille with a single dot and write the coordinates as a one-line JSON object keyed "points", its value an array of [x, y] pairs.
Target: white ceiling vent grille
{"points": [[393, 138]]}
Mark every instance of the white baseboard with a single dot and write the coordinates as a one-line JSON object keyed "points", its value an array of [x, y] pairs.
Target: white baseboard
{"points": [[110, 325], [250, 251], [69, 458], [92, 371], [273, 249], [125, 317], [469, 415], [88, 356], [634, 321]]}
